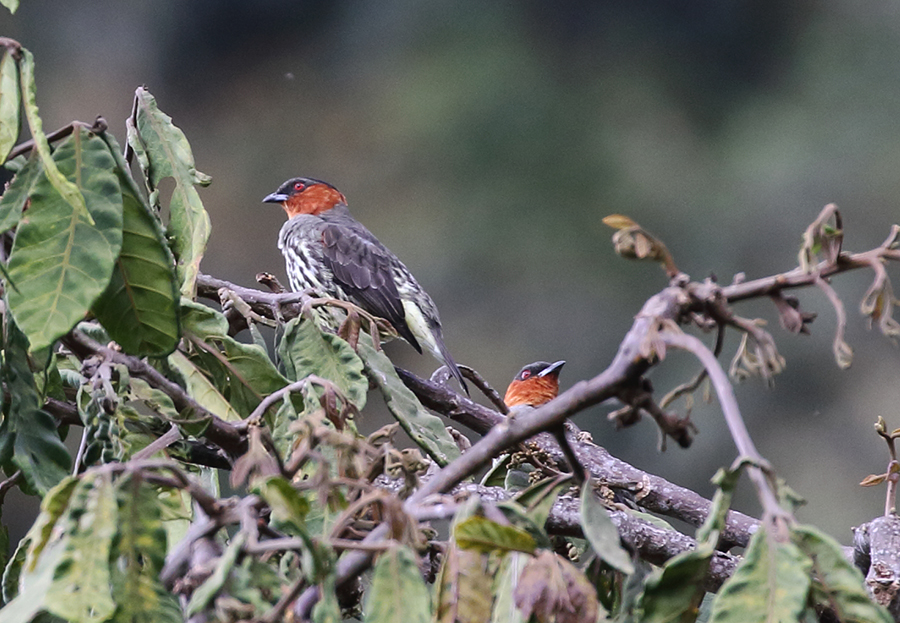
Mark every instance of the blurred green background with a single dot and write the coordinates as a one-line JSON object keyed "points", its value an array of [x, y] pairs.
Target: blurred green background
{"points": [[483, 142]]}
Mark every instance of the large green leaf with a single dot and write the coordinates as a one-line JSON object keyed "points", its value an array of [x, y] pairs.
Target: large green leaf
{"points": [[60, 262], [462, 589], [427, 430], [305, 349], [600, 531], [139, 308], [67, 569], [837, 584], [138, 557], [81, 586], [397, 592], [202, 389], [163, 151], [484, 535], [771, 584], [505, 581], [13, 200], [12, 5], [243, 373], [9, 104], [67, 190], [37, 449], [673, 594], [39, 582]]}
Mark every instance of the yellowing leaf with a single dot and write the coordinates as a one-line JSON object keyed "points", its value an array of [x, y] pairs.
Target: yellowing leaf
{"points": [[618, 221]]}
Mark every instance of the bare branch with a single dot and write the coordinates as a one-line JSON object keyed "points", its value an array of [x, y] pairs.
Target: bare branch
{"points": [[220, 432], [733, 419]]}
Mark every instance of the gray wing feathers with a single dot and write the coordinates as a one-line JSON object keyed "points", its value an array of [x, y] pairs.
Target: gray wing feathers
{"points": [[365, 272]]}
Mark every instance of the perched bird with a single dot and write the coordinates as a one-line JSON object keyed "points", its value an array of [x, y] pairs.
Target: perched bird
{"points": [[534, 385], [537, 384], [329, 251]]}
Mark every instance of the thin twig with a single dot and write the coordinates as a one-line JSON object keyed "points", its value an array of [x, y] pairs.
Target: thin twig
{"points": [[9, 483], [160, 443], [730, 410], [99, 125], [220, 432]]}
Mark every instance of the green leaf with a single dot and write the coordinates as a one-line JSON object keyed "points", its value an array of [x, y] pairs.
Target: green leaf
{"points": [[327, 609], [37, 449], [139, 307], [13, 200], [675, 592], [9, 104], [68, 191], [12, 5], [397, 592], [505, 581], [462, 590], [426, 430], [66, 571], [163, 151], [726, 480], [60, 262], [771, 584], [539, 498], [37, 584], [242, 373], [289, 508], [600, 531], [837, 584], [207, 591], [305, 350], [138, 558], [81, 584], [53, 506], [484, 535], [202, 389]]}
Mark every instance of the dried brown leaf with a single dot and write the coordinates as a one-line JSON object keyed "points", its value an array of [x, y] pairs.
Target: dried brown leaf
{"points": [[554, 590], [619, 221], [872, 480]]}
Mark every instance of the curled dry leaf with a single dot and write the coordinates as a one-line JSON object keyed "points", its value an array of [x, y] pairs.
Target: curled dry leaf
{"points": [[789, 314], [757, 354], [878, 303], [619, 221], [873, 480], [825, 235], [552, 589], [633, 242]]}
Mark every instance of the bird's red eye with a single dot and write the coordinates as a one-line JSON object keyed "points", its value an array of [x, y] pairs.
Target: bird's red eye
{"points": [[298, 186], [525, 374]]}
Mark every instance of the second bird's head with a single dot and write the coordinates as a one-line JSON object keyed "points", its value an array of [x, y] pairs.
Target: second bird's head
{"points": [[304, 195], [534, 385]]}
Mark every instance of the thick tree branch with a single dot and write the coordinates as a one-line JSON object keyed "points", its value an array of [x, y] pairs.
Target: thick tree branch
{"points": [[654, 493], [652, 542]]}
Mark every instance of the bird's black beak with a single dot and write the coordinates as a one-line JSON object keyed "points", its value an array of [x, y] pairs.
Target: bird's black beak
{"points": [[275, 198], [553, 368]]}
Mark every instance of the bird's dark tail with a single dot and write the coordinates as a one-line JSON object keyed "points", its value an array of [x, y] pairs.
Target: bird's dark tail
{"points": [[451, 365]]}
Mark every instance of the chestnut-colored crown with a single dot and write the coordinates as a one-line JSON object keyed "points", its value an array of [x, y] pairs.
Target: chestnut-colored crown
{"points": [[304, 195]]}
